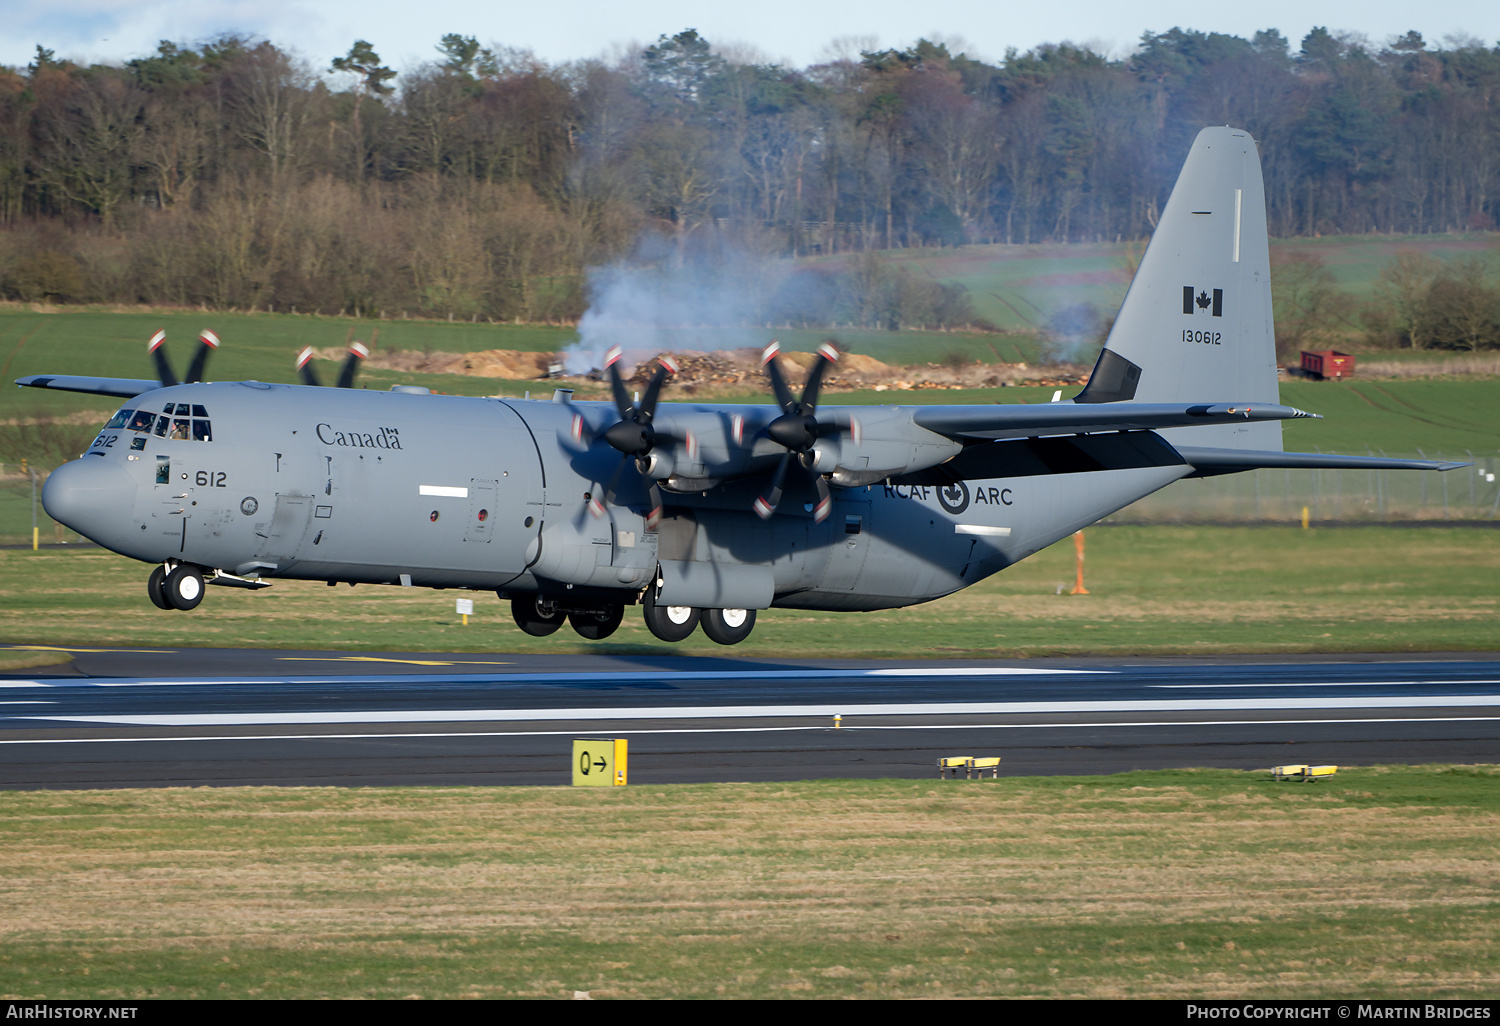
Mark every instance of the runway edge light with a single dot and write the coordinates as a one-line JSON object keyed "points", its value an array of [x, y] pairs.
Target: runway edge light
{"points": [[599, 762]]}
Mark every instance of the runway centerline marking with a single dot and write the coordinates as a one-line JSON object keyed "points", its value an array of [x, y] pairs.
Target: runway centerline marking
{"points": [[823, 710]]}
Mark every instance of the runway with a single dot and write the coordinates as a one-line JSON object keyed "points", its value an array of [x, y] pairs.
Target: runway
{"points": [[195, 717]]}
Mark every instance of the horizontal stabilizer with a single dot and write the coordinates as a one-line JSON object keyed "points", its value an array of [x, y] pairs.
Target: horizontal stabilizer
{"points": [[1208, 462], [120, 388], [991, 422]]}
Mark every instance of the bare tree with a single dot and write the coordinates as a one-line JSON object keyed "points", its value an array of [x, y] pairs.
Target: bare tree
{"points": [[89, 147], [271, 98]]}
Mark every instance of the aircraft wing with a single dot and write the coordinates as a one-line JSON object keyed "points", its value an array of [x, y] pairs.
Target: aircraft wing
{"points": [[120, 388], [1066, 418], [1209, 462]]}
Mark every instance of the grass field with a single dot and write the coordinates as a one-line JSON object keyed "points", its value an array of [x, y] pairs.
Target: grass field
{"points": [[1018, 288], [1153, 591], [1189, 884]]}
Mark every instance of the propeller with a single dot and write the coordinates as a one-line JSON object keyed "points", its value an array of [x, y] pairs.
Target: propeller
{"points": [[633, 435], [357, 352], [207, 343], [798, 429]]}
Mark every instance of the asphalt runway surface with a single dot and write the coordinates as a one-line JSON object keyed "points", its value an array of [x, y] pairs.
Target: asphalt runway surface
{"points": [[195, 717]]}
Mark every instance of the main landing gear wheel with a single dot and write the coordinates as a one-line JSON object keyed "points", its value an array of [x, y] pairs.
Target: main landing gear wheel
{"points": [[596, 626], [670, 623], [536, 616], [728, 626], [184, 587], [156, 587]]}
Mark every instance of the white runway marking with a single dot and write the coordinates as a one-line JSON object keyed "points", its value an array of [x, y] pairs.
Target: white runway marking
{"points": [[732, 730], [823, 711], [625, 675], [1332, 684]]}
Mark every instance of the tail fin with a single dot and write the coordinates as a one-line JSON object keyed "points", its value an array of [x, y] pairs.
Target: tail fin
{"points": [[1196, 325]]}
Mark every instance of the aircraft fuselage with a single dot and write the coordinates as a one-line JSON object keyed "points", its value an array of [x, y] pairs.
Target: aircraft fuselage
{"points": [[285, 481]]}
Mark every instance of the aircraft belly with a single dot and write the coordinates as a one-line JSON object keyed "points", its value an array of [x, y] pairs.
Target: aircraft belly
{"points": [[929, 541]]}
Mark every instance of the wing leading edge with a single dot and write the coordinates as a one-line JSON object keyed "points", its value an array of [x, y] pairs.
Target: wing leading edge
{"points": [[120, 388], [997, 422]]}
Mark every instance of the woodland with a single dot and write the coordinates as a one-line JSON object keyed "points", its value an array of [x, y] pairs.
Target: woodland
{"points": [[490, 185]]}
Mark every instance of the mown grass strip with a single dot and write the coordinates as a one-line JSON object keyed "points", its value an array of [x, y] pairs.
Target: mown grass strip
{"points": [[1154, 590], [1379, 883]]}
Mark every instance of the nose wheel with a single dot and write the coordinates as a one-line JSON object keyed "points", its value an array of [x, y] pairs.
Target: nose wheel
{"points": [[180, 587], [156, 588]]}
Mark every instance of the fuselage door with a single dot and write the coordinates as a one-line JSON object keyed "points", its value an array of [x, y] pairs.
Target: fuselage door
{"points": [[848, 544]]}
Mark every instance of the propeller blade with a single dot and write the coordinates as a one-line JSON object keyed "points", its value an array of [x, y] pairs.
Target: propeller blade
{"points": [[654, 504], [827, 357], [616, 384], [597, 499], [825, 499], [766, 504], [357, 352], [575, 432], [778, 383], [164, 372], [305, 368], [207, 343], [665, 368]]}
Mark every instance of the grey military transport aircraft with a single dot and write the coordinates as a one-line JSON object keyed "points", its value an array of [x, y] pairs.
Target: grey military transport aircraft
{"points": [[700, 514]]}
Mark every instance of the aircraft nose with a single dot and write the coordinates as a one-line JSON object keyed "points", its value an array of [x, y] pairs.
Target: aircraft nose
{"points": [[93, 496]]}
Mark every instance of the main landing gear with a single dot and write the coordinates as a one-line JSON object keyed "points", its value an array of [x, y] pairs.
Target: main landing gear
{"points": [[179, 587], [677, 623], [539, 617]]}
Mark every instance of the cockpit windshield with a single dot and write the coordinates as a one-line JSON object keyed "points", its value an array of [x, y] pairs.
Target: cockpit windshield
{"points": [[177, 421]]}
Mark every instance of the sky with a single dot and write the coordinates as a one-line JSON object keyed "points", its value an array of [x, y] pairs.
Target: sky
{"points": [[795, 33]]}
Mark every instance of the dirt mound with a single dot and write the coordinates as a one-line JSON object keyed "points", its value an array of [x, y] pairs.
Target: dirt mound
{"points": [[728, 369], [488, 363]]}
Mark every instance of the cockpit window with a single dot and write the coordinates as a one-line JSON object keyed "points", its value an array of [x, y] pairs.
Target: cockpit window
{"points": [[172, 423]]}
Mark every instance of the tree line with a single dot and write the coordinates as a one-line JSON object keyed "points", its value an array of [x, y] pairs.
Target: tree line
{"points": [[486, 183]]}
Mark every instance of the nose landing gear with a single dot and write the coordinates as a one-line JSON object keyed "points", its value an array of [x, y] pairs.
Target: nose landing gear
{"points": [[175, 587]]}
